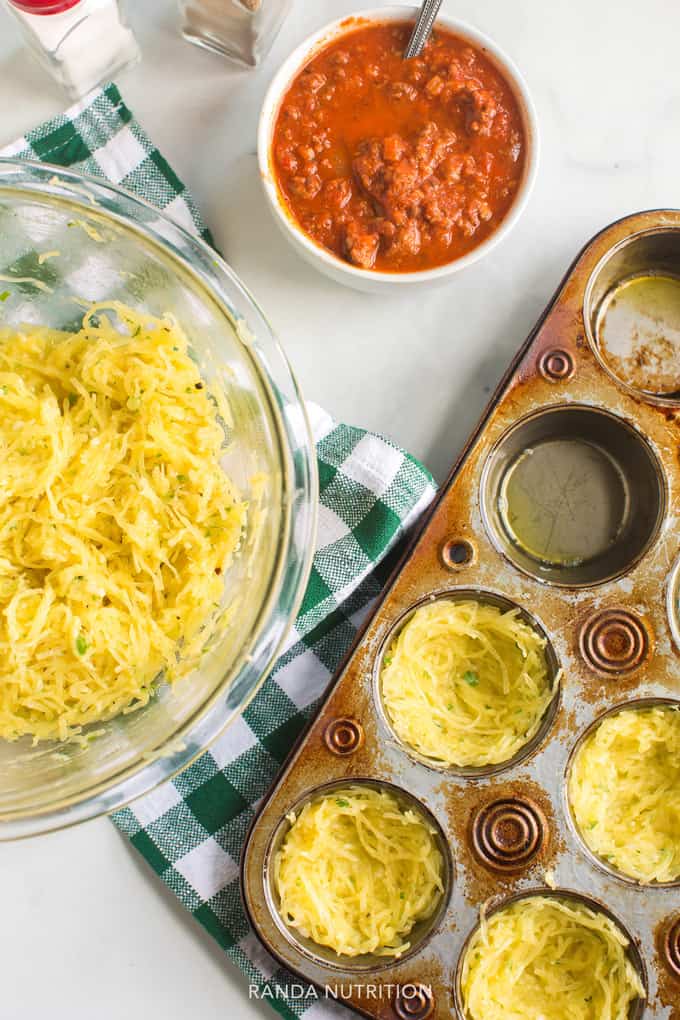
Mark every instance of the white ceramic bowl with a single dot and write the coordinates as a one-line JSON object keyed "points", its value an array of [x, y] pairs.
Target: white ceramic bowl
{"points": [[325, 261]]}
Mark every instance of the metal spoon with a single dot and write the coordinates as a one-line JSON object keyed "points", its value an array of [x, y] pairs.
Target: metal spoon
{"points": [[423, 27]]}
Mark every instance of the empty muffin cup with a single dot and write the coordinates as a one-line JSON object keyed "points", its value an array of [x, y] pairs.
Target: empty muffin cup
{"points": [[632, 313], [573, 495]]}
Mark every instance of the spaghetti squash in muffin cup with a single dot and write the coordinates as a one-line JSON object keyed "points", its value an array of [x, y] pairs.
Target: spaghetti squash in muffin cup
{"points": [[468, 681], [360, 874]]}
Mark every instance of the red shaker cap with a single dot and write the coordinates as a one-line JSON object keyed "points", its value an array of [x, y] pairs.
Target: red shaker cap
{"points": [[44, 6]]}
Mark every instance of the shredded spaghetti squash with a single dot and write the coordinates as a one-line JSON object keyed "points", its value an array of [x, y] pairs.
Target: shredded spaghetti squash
{"points": [[542, 958], [624, 790], [116, 518], [356, 872], [465, 683]]}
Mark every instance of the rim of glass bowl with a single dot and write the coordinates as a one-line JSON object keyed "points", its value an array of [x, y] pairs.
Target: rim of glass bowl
{"points": [[297, 533]]}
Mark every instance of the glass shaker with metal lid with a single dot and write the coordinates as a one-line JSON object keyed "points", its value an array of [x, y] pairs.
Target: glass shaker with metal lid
{"points": [[242, 30], [82, 43]]}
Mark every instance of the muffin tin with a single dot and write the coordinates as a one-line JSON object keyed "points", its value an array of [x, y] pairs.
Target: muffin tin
{"points": [[590, 558]]}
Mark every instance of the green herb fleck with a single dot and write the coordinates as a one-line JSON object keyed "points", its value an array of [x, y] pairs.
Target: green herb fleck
{"points": [[341, 802], [182, 478], [471, 678], [5, 294], [72, 398], [81, 645], [388, 660]]}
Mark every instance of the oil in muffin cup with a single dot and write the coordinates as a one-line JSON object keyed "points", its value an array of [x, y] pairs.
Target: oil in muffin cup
{"points": [[419, 935], [484, 597], [636, 705], [631, 312], [572, 495]]}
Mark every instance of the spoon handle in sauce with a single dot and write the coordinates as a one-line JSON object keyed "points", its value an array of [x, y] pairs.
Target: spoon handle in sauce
{"points": [[422, 28]]}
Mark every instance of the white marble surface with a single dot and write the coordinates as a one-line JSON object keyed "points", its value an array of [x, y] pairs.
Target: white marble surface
{"points": [[86, 930]]}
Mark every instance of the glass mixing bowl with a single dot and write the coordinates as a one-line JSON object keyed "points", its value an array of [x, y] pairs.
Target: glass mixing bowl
{"points": [[112, 246]]}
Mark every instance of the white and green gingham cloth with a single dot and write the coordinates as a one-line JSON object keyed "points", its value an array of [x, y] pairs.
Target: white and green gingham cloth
{"points": [[191, 830]]}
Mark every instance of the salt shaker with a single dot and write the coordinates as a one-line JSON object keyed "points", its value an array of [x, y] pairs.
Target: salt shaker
{"points": [[242, 30], [82, 43]]}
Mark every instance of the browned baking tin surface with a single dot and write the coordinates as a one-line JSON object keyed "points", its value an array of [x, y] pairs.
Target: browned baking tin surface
{"points": [[609, 629]]}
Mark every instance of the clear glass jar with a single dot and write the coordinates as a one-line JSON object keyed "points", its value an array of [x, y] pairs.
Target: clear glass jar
{"points": [[82, 43], [242, 30]]}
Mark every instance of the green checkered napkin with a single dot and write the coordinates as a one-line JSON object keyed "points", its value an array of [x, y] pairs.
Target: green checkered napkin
{"points": [[191, 830]]}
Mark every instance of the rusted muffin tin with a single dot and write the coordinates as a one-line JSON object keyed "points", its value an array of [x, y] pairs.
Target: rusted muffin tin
{"points": [[595, 567]]}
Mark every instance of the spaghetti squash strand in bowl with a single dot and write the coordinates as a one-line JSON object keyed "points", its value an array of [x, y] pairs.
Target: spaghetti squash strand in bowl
{"points": [[465, 683], [624, 792], [545, 958], [357, 871], [116, 517]]}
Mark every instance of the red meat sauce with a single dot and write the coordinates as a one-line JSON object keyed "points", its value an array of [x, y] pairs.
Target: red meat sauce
{"points": [[397, 165]]}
